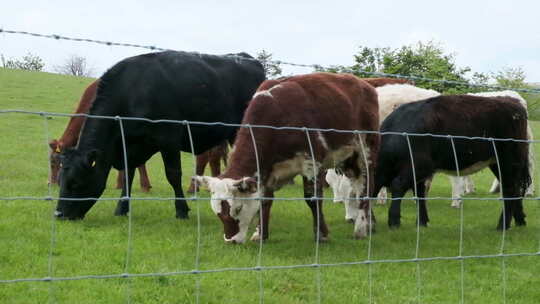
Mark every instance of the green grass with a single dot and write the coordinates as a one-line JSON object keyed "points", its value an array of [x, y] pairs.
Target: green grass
{"points": [[161, 243]]}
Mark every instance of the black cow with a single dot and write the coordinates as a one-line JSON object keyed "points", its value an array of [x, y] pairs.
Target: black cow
{"points": [[460, 115], [167, 85]]}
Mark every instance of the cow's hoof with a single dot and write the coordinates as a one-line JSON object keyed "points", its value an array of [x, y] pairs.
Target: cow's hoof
{"points": [[422, 224], [322, 239], [359, 236], [501, 228], [182, 216], [394, 225], [121, 212]]}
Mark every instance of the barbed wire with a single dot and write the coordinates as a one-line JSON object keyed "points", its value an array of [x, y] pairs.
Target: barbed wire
{"points": [[277, 62]]}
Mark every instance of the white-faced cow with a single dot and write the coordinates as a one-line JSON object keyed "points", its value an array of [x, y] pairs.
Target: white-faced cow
{"points": [[166, 85], [320, 100], [458, 115]]}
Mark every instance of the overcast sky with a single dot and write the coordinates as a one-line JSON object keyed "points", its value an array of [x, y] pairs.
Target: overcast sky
{"points": [[484, 35]]}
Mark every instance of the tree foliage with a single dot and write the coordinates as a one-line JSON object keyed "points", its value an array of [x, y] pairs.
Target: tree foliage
{"points": [[28, 62], [74, 65], [271, 69], [427, 60]]}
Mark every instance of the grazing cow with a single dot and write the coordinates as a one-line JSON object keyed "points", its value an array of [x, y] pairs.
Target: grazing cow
{"points": [[214, 157], [71, 136], [320, 100], [392, 96], [167, 85], [458, 115]]}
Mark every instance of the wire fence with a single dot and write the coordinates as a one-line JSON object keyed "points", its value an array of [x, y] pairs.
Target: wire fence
{"points": [[259, 266]]}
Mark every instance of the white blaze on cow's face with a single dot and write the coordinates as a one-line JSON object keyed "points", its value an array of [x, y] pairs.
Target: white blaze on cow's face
{"points": [[234, 202]]}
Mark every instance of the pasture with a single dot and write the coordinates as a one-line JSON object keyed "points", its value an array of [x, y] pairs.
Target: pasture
{"points": [[162, 244]]}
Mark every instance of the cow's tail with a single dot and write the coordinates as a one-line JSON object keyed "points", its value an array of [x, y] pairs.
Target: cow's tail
{"points": [[522, 165]]}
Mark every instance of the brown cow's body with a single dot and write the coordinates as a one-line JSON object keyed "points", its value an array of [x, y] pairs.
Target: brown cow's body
{"points": [[70, 137], [322, 101]]}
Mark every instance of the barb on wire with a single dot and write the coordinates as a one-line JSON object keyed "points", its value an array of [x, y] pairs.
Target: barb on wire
{"points": [[278, 62]]}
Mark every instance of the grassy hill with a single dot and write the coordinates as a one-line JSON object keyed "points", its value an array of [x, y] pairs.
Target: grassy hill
{"points": [[34, 245]]}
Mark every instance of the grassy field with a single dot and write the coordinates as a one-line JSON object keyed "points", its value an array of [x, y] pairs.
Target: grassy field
{"points": [[32, 245]]}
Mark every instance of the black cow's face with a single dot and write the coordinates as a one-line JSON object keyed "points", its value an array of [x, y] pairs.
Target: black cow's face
{"points": [[81, 180]]}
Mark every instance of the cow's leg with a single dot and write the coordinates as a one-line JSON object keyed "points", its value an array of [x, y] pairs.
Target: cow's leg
{"points": [[143, 178], [495, 186], [382, 196], [394, 212], [264, 217], [120, 179], [214, 160], [173, 171], [122, 208], [506, 214], [398, 188], [458, 189], [315, 204], [423, 218], [200, 164], [511, 189], [469, 184]]}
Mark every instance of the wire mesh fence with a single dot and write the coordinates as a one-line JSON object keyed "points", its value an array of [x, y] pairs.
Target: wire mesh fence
{"points": [[262, 270], [259, 267]]}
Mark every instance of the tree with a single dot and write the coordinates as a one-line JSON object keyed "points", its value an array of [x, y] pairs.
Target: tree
{"points": [[427, 60], [29, 62], [74, 65], [271, 69], [510, 77]]}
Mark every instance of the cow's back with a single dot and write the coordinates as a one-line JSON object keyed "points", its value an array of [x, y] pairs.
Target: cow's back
{"points": [[457, 115], [320, 101], [179, 86]]}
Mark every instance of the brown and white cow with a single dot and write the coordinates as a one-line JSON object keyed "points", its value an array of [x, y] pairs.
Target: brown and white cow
{"points": [[319, 100], [70, 137]]}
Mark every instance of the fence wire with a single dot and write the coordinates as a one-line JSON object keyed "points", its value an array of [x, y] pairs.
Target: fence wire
{"points": [[259, 267], [278, 62]]}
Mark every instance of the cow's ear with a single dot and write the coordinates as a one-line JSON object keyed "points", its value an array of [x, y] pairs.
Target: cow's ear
{"points": [[92, 157], [246, 185], [201, 180]]}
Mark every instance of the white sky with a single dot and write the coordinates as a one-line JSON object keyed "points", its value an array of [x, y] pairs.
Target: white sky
{"points": [[485, 35]]}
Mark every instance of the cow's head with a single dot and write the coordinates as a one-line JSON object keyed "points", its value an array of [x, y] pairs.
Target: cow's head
{"points": [[234, 202], [54, 160], [80, 177]]}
